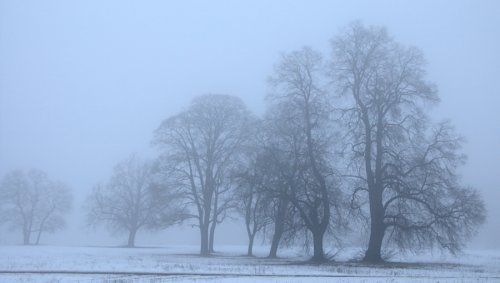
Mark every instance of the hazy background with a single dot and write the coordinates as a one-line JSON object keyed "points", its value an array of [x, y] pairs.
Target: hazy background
{"points": [[83, 84]]}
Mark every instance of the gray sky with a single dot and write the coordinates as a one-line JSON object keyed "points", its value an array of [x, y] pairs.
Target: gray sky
{"points": [[83, 84]]}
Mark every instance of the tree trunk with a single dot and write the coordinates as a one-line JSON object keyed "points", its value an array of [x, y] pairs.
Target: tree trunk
{"points": [[27, 229], [205, 227], [40, 229], [373, 253], [204, 251], [319, 255], [38, 236], [377, 212], [26, 237], [131, 238], [377, 228], [214, 221], [279, 228], [251, 237], [212, 236], [273, 253]]}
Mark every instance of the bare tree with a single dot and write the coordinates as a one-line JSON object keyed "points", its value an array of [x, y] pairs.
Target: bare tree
{"points": [[33, 203], [133, 199], [303, 122], [200, 146], [404, 164]]}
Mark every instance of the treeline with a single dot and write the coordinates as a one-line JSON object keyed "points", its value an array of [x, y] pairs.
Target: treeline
{"points": [[345, 142]]}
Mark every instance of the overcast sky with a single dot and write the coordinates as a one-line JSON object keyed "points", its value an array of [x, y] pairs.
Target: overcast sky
{"points": [[83, 84]]}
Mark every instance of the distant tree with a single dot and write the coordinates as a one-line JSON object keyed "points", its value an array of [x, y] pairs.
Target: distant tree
{"points": [[33, 203], [200, 146], [133, 199], [405, 165], [302, 130]]}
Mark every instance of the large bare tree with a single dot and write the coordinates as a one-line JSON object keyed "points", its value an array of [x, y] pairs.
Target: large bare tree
{"points": [[302, 121], [33, 203], [405, 165], [133, 199], [200, 145]]}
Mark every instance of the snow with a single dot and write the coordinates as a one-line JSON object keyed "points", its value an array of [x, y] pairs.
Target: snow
{"points": [[182, 264]]}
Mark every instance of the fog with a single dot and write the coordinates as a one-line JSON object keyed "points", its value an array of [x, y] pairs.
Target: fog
{"points": [[84, 84]]}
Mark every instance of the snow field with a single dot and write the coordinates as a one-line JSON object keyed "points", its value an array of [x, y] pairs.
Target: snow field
{"points": [[182, 264]]}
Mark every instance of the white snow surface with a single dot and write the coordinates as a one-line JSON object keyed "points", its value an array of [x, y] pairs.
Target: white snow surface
{"points": [[229, 264]]}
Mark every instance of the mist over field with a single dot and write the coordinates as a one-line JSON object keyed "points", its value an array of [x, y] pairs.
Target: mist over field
{"points": [[91, 91]]}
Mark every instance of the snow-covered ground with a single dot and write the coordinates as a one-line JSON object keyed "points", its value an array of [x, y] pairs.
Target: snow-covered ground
{"points": [[181, 264]]}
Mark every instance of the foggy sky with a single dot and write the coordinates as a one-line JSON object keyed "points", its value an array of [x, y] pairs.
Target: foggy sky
{"points": [[83, 84]]}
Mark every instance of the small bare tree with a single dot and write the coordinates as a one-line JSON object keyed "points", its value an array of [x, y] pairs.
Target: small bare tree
{"points": [[133, 199], [33, 203], [405, 166], [200, 146]]}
